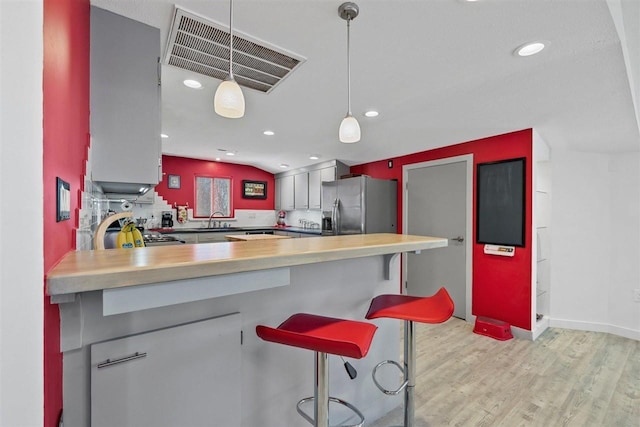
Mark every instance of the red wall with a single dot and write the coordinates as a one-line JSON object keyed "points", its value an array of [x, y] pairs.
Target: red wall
{"points": [[501, 285], [187, 169], [65, 129]]}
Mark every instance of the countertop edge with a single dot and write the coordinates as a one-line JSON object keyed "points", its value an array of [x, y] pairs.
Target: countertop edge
{"points": [[60, 284]]}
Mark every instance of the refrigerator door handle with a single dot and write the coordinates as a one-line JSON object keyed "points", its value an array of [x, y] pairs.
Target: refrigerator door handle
{"points": [[335, 217]]}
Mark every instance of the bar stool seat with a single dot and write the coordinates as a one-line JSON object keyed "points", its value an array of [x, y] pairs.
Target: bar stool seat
{"points": [[432, 309], [341, 337], [323, 335]]}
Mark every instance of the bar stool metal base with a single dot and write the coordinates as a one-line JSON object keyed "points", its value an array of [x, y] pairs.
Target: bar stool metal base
{"points": [[321, 396], [334, 400], [437, 308], [409, 373]]}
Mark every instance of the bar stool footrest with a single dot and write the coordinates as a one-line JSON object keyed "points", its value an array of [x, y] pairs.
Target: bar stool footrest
{"points": [[384, 390], [334, 400]]}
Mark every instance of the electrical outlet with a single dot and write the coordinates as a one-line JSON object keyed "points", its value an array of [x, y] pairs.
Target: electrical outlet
{"points": [[636, 295]]}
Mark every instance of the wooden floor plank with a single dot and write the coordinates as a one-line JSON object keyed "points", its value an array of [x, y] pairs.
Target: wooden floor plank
{"points": [[564, 378]]}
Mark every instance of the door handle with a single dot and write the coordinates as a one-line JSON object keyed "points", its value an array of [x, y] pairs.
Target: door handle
{"points": [[458, 239], [111, 362]]}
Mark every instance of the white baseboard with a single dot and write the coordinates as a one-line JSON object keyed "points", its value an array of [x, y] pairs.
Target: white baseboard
{"points": [[595, 327]]}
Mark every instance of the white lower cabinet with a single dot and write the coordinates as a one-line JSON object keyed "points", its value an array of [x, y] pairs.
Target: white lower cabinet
{"points": [[187, 375]]}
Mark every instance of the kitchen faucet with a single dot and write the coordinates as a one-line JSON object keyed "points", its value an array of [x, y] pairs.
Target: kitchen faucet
{"points": [[212, 215]]}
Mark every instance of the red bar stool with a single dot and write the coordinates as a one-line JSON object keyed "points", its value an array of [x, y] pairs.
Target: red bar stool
{"points": [[323, 335], [434, 309]]}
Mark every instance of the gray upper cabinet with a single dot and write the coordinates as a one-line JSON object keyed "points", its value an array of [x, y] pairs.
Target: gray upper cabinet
{"points": [[278, 199], [286, 193], [315, 180], [125, 102], [301, 190]]}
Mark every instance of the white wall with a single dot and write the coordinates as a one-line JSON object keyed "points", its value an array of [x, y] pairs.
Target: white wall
{"points": [[21, 246], [593, 223], [624, 170]]}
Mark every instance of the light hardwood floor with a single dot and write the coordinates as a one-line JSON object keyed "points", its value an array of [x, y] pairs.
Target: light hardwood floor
{"points": [[564, 378]]}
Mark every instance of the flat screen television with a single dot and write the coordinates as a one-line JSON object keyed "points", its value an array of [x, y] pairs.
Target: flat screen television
{"points": [[500, 198]]}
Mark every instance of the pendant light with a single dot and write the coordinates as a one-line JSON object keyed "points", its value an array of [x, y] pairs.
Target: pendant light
{"points": [[228, 100], [349, 128]]}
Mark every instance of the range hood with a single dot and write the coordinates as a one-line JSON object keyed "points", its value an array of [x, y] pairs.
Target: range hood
{"points": [[125, 190]]}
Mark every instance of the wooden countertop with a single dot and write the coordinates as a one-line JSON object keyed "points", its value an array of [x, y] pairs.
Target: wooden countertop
{"points": [[83, 271], [250, 237]]}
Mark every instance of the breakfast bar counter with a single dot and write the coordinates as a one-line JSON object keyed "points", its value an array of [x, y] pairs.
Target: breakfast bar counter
{"points": [[165, 335], [82, 271]]}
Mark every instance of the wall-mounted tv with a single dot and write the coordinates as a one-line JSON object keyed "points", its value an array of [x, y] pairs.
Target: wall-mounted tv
{"points": [[500, 198]]}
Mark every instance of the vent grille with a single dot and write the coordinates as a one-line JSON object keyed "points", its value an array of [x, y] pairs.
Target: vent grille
{"points": [[202, 46]]}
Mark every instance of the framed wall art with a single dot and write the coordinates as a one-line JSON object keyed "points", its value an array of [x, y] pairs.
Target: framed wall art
{"points": [[254, 189], [173, 181], [63, 200]]}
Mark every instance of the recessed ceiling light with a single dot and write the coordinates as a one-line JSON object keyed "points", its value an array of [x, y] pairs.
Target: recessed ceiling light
{"points": [[193, 84], [284, 166], [371, 113], [314, 157], [529, 49], [217, 159], [164, 135], [230, 153], [269, 132]]}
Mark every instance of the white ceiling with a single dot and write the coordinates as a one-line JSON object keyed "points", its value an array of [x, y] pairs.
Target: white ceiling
{"points": [[439, 71]]}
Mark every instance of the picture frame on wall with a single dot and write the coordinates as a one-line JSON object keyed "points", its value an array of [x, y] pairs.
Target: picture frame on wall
{"points": [[173, 181], [254, 189], [63, 200]]}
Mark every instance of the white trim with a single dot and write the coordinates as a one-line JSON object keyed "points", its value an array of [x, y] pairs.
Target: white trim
{"points": [[539, 327], [468, 158], [595, 327]]}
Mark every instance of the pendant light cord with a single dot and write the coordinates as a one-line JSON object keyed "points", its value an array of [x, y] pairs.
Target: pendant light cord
{"points": [[348, 66], [231, 39]]}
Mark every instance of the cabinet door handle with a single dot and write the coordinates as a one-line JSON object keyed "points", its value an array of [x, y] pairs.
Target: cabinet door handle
{"points": [[110, 362]]}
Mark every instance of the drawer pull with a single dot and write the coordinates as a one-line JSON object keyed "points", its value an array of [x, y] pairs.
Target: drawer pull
{"points": [[110, 362]]}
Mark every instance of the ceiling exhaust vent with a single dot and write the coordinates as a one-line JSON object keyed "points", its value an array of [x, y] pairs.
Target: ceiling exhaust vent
{"points": [[202, 46]]}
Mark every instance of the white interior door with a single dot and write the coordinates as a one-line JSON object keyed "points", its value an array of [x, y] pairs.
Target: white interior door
{"points": [[437, 202]]}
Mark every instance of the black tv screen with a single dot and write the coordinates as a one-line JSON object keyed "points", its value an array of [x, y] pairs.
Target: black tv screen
{"points": [[500, 198]]}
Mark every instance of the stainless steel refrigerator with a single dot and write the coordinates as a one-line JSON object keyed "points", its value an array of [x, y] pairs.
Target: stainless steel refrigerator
{"points": [[359, 205]]}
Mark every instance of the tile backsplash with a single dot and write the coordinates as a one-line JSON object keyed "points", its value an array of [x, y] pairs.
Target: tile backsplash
{"points": [[96, 207]]}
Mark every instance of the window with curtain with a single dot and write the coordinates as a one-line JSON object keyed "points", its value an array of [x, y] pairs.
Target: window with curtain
{"points": [[213, 196]]}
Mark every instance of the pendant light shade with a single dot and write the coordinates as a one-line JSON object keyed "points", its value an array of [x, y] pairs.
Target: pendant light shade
{"points": [[349, 128], [229, 100]]}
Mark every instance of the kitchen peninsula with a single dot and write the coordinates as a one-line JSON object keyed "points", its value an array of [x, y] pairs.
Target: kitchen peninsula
{"points": [[166, 335]]}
